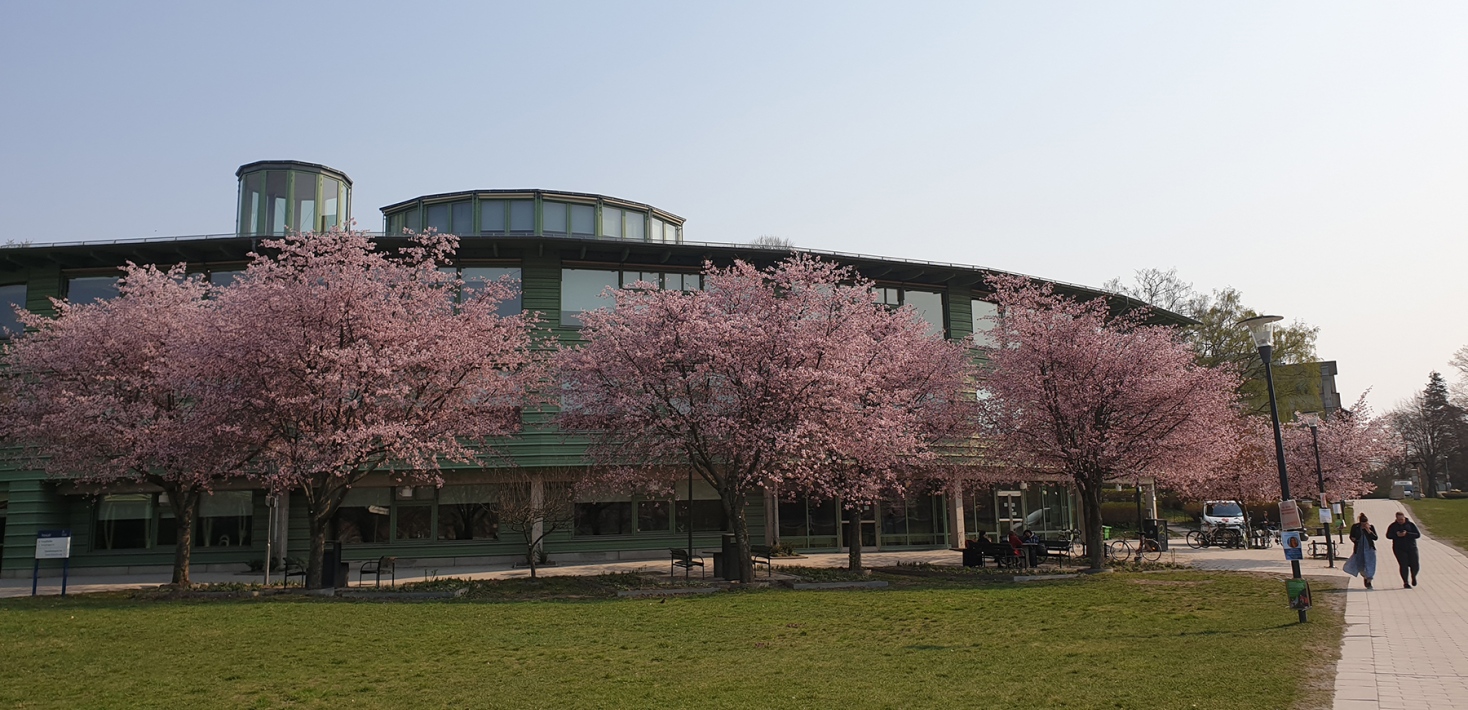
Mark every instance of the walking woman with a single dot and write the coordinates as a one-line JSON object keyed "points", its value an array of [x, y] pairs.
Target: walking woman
{"points": [[1363, 558]]}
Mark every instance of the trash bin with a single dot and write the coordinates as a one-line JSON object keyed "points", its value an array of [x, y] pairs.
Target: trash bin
{"points": [[1155, 529], [335, 571], [1105, 532], [730, 553]]}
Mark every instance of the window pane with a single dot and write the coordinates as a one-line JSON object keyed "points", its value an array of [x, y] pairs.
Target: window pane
{"points": [[583, 220], [673, 234], [581, 291], [463, 218], [611, 222], [122, 521], [929, 307], [613, 518], [887, 296], [275, 201], [635, 223], [553, 217], [707, 516], [395, 223], [655, 233], [415, 522], [85, 289], [631, 277], [437, 217], [792, 518], [11, 296], [305, 196], [652, 515], [411, 221], [250, 202], [984, 314], [330, 204], [363, 516], [492, 216], [467, 513], [522, 216], [476, 276], [226, 519]]}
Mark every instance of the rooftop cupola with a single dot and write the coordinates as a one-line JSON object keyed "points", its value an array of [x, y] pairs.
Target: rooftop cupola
{"points": [[277, 196]]}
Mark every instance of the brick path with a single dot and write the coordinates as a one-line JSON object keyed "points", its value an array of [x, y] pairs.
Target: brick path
{"points": [[1406, 648]]}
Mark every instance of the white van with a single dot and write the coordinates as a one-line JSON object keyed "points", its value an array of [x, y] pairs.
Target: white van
{"points": [[1402, 489], [1226, 513]]}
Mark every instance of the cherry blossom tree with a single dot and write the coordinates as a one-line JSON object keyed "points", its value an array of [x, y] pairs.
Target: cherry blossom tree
{"points": [[355, 361], [1353, 444], [116, 392], [1074, 389], [769, 379]]}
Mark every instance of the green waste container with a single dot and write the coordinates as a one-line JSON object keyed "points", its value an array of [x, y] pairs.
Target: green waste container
{"points": [[1105, 532]]}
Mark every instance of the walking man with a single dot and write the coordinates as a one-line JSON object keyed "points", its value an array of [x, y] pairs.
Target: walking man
{"points": [[1403, 534]]}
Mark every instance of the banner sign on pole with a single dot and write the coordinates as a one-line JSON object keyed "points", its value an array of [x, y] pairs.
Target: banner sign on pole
{"points": [[1293, 544], [1325, 516], [1299, 591], [1289, 516]]}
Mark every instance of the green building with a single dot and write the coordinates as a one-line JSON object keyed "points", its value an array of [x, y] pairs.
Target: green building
{"points": [[565, 247]]}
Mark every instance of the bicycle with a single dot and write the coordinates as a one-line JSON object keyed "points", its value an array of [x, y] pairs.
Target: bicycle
{"points": [[1215, 537], [1146, 550]]}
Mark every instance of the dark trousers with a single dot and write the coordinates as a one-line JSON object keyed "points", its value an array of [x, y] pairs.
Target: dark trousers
{"points": [[1407, 563]]}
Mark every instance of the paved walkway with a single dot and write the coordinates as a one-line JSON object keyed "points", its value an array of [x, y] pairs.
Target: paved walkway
{"points": [[1406, 648]]}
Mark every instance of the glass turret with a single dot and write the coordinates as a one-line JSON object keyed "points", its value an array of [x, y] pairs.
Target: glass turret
{"points": [[277, 196]]}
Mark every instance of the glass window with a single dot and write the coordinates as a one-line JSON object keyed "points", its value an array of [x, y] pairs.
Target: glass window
{"points": [[467, 513], [492, 216], [707, 516], [166, 532], [887, 296], [611, 222], [226, 519], [363, 515], [631, 277], [553, 217], [85, 289], [984, 315], [11, 297], [415, 522], [583, 220], [792, 518], [653, 515], [463, 214], [275, 201], [476, 276], [635, 221], [581, 290], [655, 232], [331, 214], [522, 216], [673, 234], [395, 223], [683, 282], [305, 202], [250, 202], [122, 521], [225, 276], [929, 307], [436, 217], [410, 220], [604, 518]]}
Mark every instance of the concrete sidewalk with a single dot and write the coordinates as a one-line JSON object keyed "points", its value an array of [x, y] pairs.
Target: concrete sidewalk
{"points": [[1406, 648]]}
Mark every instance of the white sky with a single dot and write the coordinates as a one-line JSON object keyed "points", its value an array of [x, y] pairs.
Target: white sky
{"points": [[1313, 155]]}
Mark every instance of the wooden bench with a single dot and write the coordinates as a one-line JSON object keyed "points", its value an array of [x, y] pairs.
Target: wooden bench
{"points": [[1003, 555], [1059, 549], [687, 560]]}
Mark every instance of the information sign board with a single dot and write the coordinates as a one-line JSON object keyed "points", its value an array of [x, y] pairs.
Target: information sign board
{"points": [[53, 544], [1293, 544], [1299, 591]]}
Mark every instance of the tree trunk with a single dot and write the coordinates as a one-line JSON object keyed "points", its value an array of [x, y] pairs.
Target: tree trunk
{"points": [[531, 543], [317, 558], [1091, 504], [185, 502], [321, 505], [734, 511], [853, 542]]}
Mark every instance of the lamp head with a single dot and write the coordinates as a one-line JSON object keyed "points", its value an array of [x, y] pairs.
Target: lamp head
{"points": [[1309, 419], [1261, 328]]}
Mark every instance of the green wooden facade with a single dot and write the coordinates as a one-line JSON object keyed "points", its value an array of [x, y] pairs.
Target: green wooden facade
{"points": [[32, 502]]}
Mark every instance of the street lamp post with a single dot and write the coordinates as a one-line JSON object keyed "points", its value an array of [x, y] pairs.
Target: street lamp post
{"points": [[1312, 420], [1261, 328]]}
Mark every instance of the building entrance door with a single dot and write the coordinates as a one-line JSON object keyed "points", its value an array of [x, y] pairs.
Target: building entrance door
{"points": [[868, 528], [1011, 512]]}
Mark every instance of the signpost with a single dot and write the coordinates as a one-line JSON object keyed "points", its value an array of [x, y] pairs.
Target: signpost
{"points": [[1289, 516], [1292, 542], [52, 545], [1299, 591]]}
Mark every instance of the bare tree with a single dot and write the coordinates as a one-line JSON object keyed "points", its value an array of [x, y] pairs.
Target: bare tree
{"points": [[535, 508], [770, 240], [1162, 289]]}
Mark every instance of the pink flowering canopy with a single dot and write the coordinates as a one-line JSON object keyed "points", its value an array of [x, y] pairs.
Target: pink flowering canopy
{"points": [[1074, 390], [355, 360], [769, 377], [117, 391]]}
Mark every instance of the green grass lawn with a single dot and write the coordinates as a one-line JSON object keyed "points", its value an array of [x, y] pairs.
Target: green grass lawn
{"points": [[1445, 519], [1122, 640]]}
